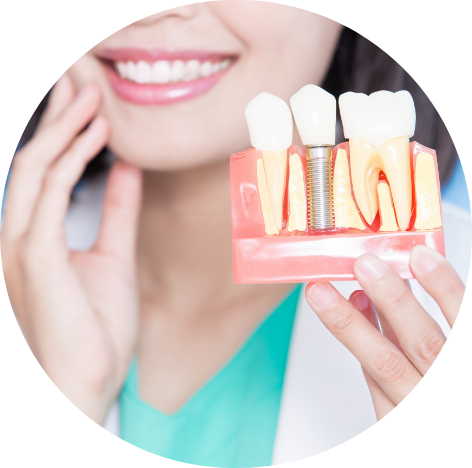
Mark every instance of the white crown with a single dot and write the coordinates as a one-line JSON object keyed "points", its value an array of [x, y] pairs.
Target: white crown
{"points": [[379, 117]]}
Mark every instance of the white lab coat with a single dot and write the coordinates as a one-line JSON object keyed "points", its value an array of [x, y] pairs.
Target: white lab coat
{"points": [[325, 400]]}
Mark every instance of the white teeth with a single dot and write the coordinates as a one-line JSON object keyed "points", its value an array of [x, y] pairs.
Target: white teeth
{"points": [[143, 72], [130, 70], [122, 69], [163, 71], [205, 69], [270, 123], [177, 71], [314, 110], [193, 68], [378, 117]]}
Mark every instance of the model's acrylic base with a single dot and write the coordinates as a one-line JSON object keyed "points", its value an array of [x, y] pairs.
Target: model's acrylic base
{"points": [[300, 259]]}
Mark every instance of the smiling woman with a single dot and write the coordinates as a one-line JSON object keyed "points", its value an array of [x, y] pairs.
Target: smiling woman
{"points": [[125, 291]]}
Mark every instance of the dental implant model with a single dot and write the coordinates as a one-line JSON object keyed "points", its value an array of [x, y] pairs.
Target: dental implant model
{"points": [[314, 111], [377, 192]]}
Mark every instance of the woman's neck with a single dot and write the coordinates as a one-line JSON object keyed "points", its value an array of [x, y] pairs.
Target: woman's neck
{"points": [[193, 317], [184, 253]]}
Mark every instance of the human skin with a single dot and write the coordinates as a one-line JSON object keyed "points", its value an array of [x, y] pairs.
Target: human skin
{"points": [[158, 281]]}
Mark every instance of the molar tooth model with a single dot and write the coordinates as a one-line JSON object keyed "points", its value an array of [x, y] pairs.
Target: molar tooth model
{"points": [[380, 192]]}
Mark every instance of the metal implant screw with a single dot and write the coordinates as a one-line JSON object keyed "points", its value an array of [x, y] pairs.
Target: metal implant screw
{"points": [[320, 187]]}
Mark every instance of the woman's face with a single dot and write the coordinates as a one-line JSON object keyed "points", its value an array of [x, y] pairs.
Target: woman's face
{"points": [[190, 72]]}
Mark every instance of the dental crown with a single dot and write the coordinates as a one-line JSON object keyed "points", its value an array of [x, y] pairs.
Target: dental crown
{"points": [[314, 110], [270, 123], [378, 117]]}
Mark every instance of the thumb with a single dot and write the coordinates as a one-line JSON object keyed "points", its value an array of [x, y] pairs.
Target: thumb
{"points": [[121, 205]]}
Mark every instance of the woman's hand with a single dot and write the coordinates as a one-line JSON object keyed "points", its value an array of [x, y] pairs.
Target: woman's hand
{"points": [[78, 310], [395, 361]]}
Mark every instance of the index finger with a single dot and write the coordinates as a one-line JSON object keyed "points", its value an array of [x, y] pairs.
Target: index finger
{"points": [[387, 365], [62, 94], [439, 279]]}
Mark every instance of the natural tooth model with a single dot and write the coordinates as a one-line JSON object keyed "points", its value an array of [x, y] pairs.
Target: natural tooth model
{"points": [[345, 210], [271, 129], [376, 206], [378, 128], [314, 111]]}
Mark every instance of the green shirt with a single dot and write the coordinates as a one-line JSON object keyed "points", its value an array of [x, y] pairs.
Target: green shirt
{"points": [[231, 421]]}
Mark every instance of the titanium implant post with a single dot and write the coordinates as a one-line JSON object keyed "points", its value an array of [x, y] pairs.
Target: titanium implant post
{"points": [[320, 187]]}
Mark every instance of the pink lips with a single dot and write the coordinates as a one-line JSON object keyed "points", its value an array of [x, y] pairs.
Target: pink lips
{"points": [[160, 94]]}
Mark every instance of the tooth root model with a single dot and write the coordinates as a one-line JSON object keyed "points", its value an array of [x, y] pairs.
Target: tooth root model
{"points": [[345, 210], [271, 129], [297, 217], [378, 128], [396, 204], [314, 111], [387, 213]]}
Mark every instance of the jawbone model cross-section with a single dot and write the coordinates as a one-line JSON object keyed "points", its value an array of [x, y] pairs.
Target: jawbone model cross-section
{"points": [[380, 190]]}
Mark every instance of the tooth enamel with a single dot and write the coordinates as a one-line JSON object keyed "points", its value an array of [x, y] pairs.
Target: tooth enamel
{"points": [[143, 72], [177, 71], [131, 71], [161, 72], [314, 110], [270, 123], [122, 69], [378, 117], [378, 128], [205, 69], [193, 68], [270, 130]]}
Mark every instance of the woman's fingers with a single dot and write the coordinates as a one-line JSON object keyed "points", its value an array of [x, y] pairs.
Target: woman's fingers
{"points": [[382, 403], [439, 279], [420, 337], [388, 366], [121, 206], [364, 305], [46, 228], [62, 94], [32, 162]]}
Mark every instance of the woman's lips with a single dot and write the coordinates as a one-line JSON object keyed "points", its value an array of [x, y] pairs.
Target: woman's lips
{"points": [[170, 68]]}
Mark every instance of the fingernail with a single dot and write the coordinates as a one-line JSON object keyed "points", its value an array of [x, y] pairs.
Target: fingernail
{"points": [[321, 296], [425, 259], [371, 267], [359, 300]]}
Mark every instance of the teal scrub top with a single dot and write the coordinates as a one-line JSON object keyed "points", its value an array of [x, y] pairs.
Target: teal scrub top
{"points": [[231, 421]]}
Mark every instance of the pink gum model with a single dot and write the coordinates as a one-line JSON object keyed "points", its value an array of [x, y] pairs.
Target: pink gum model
{"points": [[297, 257]]}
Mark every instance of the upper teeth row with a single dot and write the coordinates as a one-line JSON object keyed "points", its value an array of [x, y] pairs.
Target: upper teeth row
{"points": [[163, 71]]}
